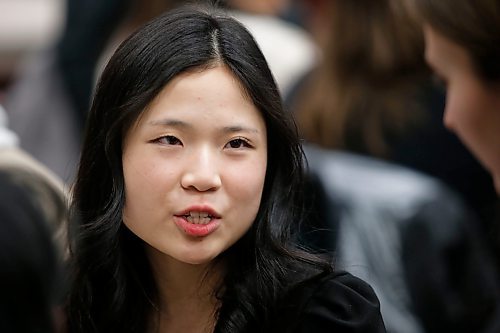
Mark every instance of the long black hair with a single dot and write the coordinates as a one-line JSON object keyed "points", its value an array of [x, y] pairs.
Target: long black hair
{"points": [[113, 289]]}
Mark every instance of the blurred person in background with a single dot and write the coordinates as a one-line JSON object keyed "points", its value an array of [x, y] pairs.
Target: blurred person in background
{"points": [[373, 94], [38, 179], [463, 48], [31, 283], [33, 216]]}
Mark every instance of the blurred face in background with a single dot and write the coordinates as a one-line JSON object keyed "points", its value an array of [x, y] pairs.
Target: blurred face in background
{"points": [[472, 104]]}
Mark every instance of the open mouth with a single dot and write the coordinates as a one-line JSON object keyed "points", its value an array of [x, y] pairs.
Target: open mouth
{"points": [[198, 217], [197, 223]]}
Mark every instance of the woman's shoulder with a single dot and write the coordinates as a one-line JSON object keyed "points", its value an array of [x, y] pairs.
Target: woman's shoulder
{"points": [[331, 301]]}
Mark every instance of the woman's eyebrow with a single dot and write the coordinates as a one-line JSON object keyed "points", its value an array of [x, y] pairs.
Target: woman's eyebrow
{"points": [[169, 123], [239, 128]]}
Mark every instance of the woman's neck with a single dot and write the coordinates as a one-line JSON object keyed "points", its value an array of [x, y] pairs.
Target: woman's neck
{"points": [[186, 294]]}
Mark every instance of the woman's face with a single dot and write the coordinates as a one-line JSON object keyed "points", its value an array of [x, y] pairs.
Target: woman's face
{"points": [[472, 105], [194, 166]]}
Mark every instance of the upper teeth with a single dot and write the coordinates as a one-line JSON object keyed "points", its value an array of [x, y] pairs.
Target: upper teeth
{"points": [[198, 217], [198, 214]]}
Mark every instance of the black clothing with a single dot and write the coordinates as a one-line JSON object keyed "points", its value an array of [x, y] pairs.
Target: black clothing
{"points": [[330, 302]]}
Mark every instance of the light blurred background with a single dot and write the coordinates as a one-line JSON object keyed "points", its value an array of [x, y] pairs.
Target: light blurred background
{"points": [[26, 26]]}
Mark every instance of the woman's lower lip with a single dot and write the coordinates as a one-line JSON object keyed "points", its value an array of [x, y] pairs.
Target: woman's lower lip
{"points": [[196, 230]]}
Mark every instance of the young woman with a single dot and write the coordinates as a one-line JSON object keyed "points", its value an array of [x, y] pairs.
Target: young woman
{"points": [[188, 193], [463, 47]]}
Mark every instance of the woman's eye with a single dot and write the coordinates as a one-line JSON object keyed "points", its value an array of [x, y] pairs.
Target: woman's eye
{"points": [[237, 143], [169, 140]]}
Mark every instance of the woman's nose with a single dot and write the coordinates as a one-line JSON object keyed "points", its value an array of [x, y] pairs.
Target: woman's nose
{"points": [[202, 172]]}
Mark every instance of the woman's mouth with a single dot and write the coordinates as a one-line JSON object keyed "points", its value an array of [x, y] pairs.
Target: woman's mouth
{"points": [[197, 223], [198, 217]]}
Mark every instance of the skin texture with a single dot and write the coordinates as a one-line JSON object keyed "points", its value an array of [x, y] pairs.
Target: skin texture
{"points": [[203, 144], [472, 104]]}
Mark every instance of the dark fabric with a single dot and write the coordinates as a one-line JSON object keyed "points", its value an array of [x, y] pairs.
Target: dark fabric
{"points": [[336, 302], [451, 276]]}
